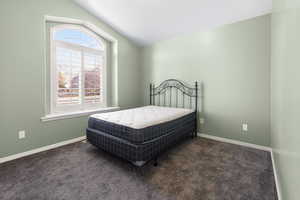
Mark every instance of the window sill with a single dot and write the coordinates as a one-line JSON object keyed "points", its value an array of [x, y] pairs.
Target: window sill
{"points": [[52, 117]]}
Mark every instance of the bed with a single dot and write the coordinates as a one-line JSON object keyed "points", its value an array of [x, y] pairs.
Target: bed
{"points": [[140, 134]]}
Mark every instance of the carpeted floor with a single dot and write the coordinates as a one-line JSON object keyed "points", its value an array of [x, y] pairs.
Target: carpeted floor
{"points": [[196, 169]]}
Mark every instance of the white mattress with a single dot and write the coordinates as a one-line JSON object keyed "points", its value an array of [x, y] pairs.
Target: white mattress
{"points": [[143, 117]]}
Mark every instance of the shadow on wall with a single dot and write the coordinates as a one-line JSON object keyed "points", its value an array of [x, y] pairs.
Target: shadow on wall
{"points": [[201, 113]]}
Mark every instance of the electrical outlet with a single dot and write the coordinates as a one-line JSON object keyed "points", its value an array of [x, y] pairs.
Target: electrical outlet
{"points": [[202, 121], [22, 134], [245, 127]]}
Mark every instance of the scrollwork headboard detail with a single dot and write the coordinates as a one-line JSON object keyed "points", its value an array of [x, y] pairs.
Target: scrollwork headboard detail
{"points": [[169, 91]]}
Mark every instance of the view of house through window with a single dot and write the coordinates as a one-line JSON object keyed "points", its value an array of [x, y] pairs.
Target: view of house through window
{"points": [[78, 69]]}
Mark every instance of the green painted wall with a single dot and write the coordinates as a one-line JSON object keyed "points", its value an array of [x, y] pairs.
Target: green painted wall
{"points": [[233, 64], [285, 95], [22, 63]]}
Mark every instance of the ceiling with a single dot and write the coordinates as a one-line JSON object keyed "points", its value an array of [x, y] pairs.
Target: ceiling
{"points": [[149, 21]]}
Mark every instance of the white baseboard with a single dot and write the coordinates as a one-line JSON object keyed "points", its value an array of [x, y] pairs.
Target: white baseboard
{"points": [[45, 148], [246, 144], [53, 146], [276, 177]]}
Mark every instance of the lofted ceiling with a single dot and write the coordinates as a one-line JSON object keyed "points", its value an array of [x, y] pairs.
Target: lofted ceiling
{"points": [[148, 21]]}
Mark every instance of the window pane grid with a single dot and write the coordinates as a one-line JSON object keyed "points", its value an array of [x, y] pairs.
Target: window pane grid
{"points": [[79, 71], [92, 68], [68, 64]]}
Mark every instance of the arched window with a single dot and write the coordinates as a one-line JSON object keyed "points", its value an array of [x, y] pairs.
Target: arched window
{"points": [[78, 67]]}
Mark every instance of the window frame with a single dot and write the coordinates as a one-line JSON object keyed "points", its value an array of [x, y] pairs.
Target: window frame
{"points": [[53, 70]]}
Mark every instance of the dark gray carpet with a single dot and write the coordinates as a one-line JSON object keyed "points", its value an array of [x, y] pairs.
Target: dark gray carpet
{"points": [[196, 169]]}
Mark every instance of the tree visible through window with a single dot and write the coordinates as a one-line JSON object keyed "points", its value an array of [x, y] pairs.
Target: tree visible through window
{"points": [[78, 69]]}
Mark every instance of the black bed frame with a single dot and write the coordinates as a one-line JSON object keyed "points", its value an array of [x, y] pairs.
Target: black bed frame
{"points": [[170, 85], [172, 93]]}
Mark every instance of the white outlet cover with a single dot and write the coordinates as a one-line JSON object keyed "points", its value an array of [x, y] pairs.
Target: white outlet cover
{"points": [[22, 134], [245, 127]]}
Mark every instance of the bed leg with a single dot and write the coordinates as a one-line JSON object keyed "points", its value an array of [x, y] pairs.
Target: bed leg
{"points": [[193, 135], [155, 164]]}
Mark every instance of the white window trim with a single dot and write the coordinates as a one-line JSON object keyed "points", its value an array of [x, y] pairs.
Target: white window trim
{"points": [[58, 109], [114, 65], [53, 117]]}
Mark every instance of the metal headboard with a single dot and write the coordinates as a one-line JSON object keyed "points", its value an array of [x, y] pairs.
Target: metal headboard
{"points": [[159, 96]]}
